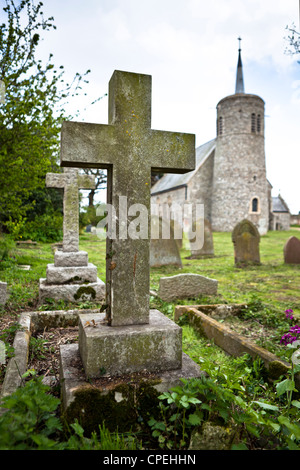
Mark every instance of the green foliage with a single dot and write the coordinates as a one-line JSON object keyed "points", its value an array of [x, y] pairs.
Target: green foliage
{"points": [[31, 112], [30, 421]]}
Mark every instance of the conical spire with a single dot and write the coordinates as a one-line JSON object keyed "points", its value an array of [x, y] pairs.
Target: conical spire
{"points": [[239, 86]]}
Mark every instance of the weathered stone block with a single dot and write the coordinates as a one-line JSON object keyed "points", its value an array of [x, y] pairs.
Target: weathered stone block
{"points": [[69, 259], [3, 293], [107, 350], [71, 274], [182, 286], [93, 291]]}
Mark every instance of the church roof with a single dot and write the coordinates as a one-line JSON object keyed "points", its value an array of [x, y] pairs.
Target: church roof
{"points": [[279, 205], [172, 180]]}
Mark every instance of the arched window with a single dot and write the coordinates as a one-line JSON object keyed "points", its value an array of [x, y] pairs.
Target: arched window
{"points": [[255, 204], [253, 122]]}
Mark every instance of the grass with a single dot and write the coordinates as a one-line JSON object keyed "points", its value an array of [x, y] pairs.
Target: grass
{"points": [[268, 290]]}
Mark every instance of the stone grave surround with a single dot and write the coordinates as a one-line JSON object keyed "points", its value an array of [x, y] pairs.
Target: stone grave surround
{"points": [[71, 277], [246, 239], [129, 337], [291, 251]]}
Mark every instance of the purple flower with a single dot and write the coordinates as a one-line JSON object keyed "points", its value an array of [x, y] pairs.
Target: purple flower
{"points": [[295, 329], [288, 339], [289, 314]]}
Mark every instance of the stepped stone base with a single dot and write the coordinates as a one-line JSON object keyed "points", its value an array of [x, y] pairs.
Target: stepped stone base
{"points": [[93, 291], [71, 274], [116, 350], [68, 259]]}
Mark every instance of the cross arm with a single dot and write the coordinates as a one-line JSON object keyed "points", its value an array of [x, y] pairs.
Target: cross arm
{"points": [[87, 145], [172, 152]]}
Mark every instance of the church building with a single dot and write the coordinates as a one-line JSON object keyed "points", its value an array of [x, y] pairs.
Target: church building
{"points": [[230, 173]]}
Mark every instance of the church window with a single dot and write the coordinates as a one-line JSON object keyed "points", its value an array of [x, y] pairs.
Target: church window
{"points": [[258, 123], [253, 122], [220, 126], [254, 205]]}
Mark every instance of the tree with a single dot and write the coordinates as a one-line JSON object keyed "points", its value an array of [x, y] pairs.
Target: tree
{"points": [[294, 40], [33, 97]]}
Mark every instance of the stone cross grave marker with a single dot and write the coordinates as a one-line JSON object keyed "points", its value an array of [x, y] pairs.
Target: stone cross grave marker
{"points": [[129, 149], [70, 181]]}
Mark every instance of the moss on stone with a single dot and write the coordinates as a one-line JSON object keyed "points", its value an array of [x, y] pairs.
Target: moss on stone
{"points": [[122, 408], [276, 369], [85, 291]]}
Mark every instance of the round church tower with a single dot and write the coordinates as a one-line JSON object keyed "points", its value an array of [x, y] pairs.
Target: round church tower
{"points": [[240, 188]]}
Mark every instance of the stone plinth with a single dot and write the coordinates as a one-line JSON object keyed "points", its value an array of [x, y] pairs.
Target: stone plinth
{"points": [[73, 258], [93, 291], [105, 350]]}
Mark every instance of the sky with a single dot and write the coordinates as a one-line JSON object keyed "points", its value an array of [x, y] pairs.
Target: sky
{"points": [[190, 48]]}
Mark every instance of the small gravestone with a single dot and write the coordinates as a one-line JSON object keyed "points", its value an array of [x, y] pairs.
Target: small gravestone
{"points": [[164, 249], [71, 277], [185, 286], [291, 251], [246, 239], [204, 247], [3, 293]]}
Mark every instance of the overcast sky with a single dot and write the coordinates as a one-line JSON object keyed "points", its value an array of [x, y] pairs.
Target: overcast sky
{"points": [[190, 48]]}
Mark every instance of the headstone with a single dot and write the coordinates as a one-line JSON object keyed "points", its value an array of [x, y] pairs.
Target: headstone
{"points": [[203, 248], [3, 293], [71, 277], [291, 251], [88, 228], [185, 286], [129, 149], [163, 251], [246, 239]]}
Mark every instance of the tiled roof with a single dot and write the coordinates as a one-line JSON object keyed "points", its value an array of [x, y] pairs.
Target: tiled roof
{"points": [[172, 180], [279, 205]]}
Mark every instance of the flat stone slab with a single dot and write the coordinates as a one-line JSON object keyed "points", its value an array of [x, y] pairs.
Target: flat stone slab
{"points": [[71, 274], [118, 350], [70, 259], [92, 291], [184, 286]]}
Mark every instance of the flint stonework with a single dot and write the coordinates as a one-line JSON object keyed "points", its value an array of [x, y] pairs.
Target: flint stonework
{"points": [[184, 286], [129, 150]]}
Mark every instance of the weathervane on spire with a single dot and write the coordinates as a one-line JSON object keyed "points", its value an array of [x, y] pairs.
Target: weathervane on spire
{"points": [[239, 39]]}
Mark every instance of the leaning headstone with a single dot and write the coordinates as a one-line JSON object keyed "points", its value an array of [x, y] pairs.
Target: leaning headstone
{"points": [[291, 251], [246, 238], [163, 251], [3, 293], [202, 248], [129, 337], [185, 286], [71, 277]]}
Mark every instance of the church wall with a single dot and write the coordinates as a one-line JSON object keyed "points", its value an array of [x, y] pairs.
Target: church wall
{"points": [[200, 186]]}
